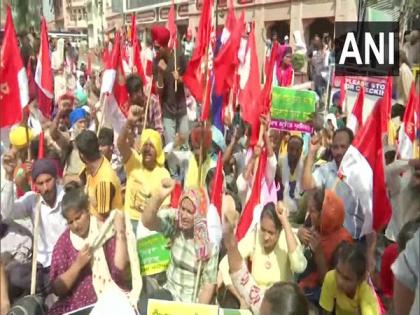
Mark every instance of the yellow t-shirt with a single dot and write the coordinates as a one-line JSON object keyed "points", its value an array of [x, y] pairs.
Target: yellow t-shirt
{"points": [[364, 300], [104, 190], [141, 183]]}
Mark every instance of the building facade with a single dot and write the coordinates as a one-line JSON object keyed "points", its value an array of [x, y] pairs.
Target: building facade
{"points": [[309, 17]]}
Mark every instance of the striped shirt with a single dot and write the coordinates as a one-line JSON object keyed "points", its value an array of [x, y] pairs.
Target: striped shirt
{"points": [[154, 116], [182, 270]]}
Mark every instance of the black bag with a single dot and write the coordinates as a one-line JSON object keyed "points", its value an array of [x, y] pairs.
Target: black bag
{"points": [[28, 305]]}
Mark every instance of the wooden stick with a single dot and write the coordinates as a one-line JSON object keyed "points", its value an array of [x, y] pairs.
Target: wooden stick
{"points": [[197, 281], [175, 68], [35, 244], [147, 104], [102, 107]]}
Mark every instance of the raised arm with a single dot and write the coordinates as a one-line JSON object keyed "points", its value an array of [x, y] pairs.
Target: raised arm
{"points": [[126, 136], [121, 252], [308, 181], [149, 218], [62, 141]]}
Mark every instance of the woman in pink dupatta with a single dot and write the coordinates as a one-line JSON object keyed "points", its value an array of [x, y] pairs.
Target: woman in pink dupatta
{"points": [[284, 70]]}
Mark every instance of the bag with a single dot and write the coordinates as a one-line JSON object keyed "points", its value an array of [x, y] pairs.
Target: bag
{"points": [[28, 305]]}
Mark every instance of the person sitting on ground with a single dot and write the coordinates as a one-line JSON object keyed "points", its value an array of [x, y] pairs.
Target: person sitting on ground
{"points": [[65, 140], [51, 222], [107, 148], [281, 298], [144, 165], [273, 250], [79, 272], [326, 215], [191, 251], [345, 288], [103, 185]]}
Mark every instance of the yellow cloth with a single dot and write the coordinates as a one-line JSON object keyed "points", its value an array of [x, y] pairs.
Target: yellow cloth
{"points": [[364, 300], [155, 138], [104, 189], [191, 178], [18, 137], [279, 265], [140, 183], [392, 133]]}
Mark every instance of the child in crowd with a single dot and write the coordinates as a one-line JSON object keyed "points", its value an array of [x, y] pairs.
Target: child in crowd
{"points": [[345, 288]]}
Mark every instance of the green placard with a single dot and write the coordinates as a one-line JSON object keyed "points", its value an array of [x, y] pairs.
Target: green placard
{"points": [[291, 109], [228, 311], [154, 254]]}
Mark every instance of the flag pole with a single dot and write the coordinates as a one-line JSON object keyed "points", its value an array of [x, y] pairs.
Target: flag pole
{"points": [[175, 68], [102, 107], [148, 104], [35, 245]]}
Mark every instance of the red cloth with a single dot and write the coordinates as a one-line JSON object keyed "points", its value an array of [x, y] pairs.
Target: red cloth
{"points": [[43, 74], [196, 77], [226, 62], [138, 66], [254, 199], [171, 25], [11, 64], [217, 191], [160, 35], [386, 105], [387, 277], [285, 75]]}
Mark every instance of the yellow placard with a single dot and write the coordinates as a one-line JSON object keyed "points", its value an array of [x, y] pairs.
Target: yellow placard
{"points": [[160, 307]]}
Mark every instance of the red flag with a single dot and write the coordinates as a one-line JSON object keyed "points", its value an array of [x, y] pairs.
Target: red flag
{"points": [[407, 133], [226, 62], [137, 65], [13, 79], [249, 83], [355, 119], [254, 199], [362, 168], [342, 91], [217, 191], [171, 26], [176, 195], [197, 74], [43, 74], [386, 105], [229, 24], [41, 153]]}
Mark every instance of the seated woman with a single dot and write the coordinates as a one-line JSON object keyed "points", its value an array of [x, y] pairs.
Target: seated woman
{"points": [[187, 229], [272, 248], [326, 213], [80, 269], [281, 298]]}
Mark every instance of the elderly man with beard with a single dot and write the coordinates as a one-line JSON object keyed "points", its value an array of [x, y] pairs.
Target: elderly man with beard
{"points": [[51, 225]]}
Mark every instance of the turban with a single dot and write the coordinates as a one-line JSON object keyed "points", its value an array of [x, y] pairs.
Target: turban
{"points": [[218, 138], [76, 115], [44, 166], [161, 35], [68, 97], [155, 139], [18, 137], [199, 132]]}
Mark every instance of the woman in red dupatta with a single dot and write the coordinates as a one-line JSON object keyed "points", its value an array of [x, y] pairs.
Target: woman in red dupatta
{"points": [[326, 212]]}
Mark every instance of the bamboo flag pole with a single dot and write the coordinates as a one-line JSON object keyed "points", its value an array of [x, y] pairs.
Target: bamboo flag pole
{"points": [[102, 105], [147, 104], [35, 244], [175, 68]]}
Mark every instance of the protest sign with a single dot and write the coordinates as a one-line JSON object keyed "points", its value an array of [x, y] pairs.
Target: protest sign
{"points": [[160, 307], [374, 86], [228, 311], [291, 109], [154, 254]]}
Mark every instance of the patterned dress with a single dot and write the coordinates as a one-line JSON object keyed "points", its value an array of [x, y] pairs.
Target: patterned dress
{"points": [[83, 293]]}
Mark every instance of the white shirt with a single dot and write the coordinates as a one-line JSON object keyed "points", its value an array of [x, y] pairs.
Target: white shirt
{"points": [[51, 224]]}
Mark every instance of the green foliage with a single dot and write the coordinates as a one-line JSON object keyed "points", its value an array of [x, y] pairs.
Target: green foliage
{"points": [[298, 61]]}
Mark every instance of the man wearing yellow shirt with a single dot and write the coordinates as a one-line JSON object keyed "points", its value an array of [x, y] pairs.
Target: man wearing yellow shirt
{"points": [[145, 168], [102, 183]]}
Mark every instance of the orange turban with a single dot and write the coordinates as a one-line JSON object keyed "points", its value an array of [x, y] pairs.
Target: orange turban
{"points": [[160, 35]]}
